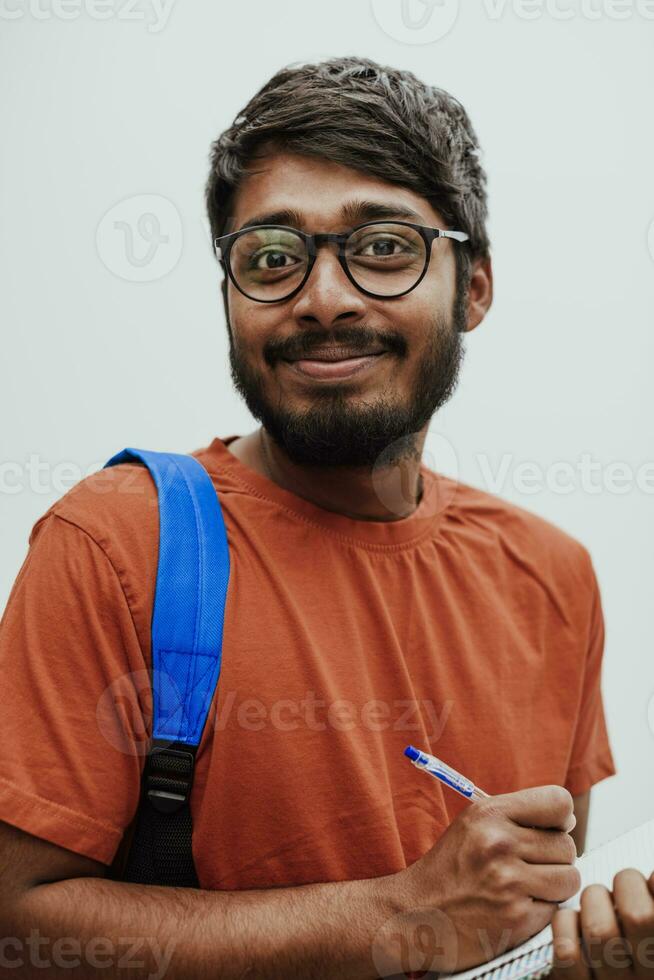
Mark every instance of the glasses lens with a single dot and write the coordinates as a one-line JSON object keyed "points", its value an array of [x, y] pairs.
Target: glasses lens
{"points": [[268, 263], [386, 259]]}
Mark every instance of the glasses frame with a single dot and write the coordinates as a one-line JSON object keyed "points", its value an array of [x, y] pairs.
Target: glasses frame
{"points": [[224, 243]]}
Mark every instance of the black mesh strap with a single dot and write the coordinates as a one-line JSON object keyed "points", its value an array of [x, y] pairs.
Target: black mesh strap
{"points": [[161, 850]]}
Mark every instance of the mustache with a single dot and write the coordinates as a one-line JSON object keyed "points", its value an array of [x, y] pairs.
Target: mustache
{"points": [[359, 338]]}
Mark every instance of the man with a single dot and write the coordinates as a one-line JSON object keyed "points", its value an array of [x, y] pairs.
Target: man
{"points": [[372, 602]]}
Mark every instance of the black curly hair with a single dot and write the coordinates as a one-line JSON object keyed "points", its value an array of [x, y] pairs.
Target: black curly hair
{"points": [[376, 119]]}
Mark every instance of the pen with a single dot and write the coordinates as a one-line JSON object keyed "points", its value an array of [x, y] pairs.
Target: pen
{"points": [[452, 778]]}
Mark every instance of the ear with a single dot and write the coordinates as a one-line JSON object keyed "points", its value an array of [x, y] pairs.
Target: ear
{"points": [[480, 292]]}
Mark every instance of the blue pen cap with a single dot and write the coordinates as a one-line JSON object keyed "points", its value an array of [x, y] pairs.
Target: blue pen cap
{"points": [[412, 753]]}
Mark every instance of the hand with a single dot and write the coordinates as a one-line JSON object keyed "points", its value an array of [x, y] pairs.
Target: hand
{"points": [[493, 879], [612, 936]]}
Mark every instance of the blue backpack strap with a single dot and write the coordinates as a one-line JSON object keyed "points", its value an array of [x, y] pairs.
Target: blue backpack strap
{"points": [[187, 627], [189, 605]]}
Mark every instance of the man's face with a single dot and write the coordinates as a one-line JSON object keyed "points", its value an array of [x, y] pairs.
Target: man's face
{"points": [[373, 414]]}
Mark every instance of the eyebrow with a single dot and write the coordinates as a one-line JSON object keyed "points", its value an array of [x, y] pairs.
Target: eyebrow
{"points": [[351, 213]]}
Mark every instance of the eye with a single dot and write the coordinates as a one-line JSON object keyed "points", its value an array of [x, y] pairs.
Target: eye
{"points": [[381, 246], [386, 246], [272, 258], [267, 251]]}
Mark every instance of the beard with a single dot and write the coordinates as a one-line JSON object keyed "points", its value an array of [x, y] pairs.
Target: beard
{"points": [[336, 430]]}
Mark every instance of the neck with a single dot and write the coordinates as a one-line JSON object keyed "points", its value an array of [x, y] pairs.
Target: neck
{"points": [[387, 494]]}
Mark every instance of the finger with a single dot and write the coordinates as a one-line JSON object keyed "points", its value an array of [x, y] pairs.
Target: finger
{"points": [[569, 962], [537, 846], [606, 948], [634, 907], [541, 806], [552, 882]]}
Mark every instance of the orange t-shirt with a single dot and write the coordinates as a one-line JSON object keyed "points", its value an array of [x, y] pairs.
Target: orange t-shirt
{"points": [[471, 628]]}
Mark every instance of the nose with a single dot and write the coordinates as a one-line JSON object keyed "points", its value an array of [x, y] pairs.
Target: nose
{"points": [[328, 295]]}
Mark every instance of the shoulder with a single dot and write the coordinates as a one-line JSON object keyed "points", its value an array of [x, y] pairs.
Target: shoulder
{"points": [[120, 504], [117, 509], [119, 500], [519, 537]]}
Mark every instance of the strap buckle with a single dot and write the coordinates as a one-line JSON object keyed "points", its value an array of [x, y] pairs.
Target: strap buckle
{"points": [[169, 774]]}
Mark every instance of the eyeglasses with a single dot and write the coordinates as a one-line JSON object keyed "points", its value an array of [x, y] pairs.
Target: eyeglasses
{"points": [[384, 259]]}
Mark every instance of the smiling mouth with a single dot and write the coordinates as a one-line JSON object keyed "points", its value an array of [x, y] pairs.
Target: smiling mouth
{"points": [[329, 365]]}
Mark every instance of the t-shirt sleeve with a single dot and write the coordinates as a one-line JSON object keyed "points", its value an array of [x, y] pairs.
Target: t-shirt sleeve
{"points": [[73, 726], [591, 759]]}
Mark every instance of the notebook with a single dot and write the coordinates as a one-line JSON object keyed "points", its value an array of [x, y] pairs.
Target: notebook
{"points": [[533, 958]]}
